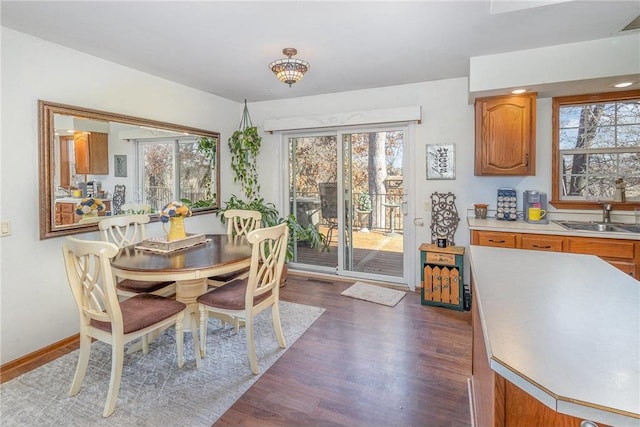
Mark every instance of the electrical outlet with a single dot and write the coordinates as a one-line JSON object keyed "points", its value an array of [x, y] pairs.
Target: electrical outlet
{"points": [[427, 206], [5, 228]]}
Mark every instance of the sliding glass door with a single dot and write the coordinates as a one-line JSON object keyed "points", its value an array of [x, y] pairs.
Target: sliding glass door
{"points": [[350, 185]]}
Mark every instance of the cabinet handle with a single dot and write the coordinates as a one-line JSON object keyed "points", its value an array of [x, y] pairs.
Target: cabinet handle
{"points": [[526, 160], [542, 247], [497, 241]]}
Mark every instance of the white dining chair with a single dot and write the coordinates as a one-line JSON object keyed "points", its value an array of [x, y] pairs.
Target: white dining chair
{"points": [[260, 290], [239, 223], [103, 317], [126, 230]]}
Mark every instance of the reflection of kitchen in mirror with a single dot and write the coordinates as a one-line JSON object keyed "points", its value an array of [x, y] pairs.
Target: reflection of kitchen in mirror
{"points": [[82, 154], [86, 148], [95, 164]]}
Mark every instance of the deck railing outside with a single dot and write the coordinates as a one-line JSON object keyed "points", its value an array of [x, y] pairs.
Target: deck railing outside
{"points": [[308, 205], [158, 197]]}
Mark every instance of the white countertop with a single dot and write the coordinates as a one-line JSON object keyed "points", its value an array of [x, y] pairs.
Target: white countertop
{"points": [[563, 327], [520, 226], [78, 199]]}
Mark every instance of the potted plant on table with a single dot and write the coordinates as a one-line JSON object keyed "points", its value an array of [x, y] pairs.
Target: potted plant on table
{"points": [[363, 210]]}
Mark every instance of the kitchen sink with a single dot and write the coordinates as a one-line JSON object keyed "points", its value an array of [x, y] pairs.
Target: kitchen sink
{"points": [[633, 228], [599, 226]]}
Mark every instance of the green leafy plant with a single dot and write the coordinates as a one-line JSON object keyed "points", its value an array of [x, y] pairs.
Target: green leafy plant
{"points": [[364, 202], [244, 145], [208, 147], [271, 217], [204, 203]]}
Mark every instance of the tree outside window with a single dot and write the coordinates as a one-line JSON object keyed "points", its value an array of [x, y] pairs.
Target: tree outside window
{"points": [[173, 169], [596, 142]]}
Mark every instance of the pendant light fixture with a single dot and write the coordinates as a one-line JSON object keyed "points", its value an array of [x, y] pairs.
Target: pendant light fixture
{"points": [[289, 70]]}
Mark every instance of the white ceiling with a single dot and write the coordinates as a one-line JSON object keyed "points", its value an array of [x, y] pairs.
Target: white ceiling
{"points": [[224, 47]]}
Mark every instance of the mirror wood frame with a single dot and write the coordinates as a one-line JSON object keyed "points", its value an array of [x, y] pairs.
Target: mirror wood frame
{"points": [[46, 153]]}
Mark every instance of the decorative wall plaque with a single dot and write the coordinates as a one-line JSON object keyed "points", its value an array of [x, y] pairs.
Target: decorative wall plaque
{"points": [[441, 161]]}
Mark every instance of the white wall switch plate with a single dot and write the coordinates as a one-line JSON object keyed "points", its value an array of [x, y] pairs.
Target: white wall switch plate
{"points": [[5, 228]]}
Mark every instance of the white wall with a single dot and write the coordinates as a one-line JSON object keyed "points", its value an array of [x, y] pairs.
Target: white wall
{"points": [[36, 304], [447, 117]]}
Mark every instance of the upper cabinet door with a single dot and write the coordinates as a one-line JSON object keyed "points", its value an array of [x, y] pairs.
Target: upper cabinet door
{"points": [[91, 153], [506, 135]]}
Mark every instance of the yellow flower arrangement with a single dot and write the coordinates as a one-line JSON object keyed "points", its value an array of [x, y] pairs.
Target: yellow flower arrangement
{"points": [[89, 207], [174, 209]]}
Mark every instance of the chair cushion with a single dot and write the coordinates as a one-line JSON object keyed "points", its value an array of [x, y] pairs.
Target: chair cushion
{"points": [[143, 310], [230, 296], [140, 286], [229, 276]]}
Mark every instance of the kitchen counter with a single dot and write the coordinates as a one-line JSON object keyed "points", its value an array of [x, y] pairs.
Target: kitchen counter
{"points": [[77, 199], [520, 226], [565, 328]]}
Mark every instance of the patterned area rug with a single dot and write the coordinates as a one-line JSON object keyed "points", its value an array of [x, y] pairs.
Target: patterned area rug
{"points": [[153, 391], [373, 293]]}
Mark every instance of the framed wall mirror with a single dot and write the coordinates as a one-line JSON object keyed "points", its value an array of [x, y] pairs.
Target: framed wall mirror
{"points": [[119, 164]]}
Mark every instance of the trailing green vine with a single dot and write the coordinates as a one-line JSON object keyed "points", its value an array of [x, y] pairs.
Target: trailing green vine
{"points": [[244, 145]]}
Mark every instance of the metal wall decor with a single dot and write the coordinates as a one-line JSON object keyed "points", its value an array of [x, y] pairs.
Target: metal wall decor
{"points": [[120, 165], [444, 217], [441, 161]]}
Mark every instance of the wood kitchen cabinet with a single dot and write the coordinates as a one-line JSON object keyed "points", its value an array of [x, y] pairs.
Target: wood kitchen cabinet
{"points": [[91, 153], [505, 135], [621, 253], [495, 239], [65, 212]]}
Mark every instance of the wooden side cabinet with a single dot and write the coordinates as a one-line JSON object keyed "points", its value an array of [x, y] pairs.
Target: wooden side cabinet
{"points": [[506, 135], [441, 276], [91, 152]]}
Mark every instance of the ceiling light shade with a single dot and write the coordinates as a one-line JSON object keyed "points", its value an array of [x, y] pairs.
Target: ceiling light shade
{"points": [[289, 70]]}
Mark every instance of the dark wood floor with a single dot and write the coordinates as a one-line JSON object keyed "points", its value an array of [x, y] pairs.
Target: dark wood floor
{"points": [[359, 364], [364, 364]]}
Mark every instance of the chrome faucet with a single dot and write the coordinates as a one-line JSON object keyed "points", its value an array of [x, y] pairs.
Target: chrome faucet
{"points": [[606, 212]]}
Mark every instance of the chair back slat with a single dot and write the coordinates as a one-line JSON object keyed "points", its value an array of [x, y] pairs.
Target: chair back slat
{"points": [[124, 230], [240, 222], [269, 248], [91, 280]]}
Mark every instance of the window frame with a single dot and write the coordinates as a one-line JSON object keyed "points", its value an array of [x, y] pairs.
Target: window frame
{"points": [[175, 142], [555, 143]]}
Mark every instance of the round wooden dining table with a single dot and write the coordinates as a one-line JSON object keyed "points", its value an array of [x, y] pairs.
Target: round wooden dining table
{"points": [[189, 267]]}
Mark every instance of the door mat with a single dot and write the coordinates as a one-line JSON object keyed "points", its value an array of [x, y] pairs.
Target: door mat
{"points": [[373, 293]]}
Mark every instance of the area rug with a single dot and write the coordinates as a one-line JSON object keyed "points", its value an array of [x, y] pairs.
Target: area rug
{"points": [[153, 391], [373, 293]]}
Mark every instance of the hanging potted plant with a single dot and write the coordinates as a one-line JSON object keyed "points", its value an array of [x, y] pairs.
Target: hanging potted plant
{"points": [[244, 145]]}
